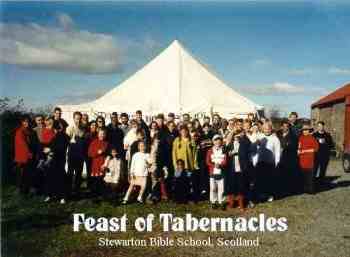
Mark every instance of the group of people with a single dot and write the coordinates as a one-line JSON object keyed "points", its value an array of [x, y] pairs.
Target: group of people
{"points": [[235, 162]]}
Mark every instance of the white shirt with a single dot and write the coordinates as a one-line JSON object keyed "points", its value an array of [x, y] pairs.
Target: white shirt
{"points": [[113, 164], [139, 164], [269, 150]]}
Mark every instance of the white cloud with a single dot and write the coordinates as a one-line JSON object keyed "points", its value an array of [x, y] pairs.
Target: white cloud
{"points": [[300, 72], [261, 62], [279, 88], [339, 71], [59, 48]]}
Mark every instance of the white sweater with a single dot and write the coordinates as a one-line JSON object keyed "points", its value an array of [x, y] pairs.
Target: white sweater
{"points": [[140, 164]]}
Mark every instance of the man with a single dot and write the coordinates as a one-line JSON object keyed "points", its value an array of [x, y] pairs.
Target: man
{"points": [[39, 125], [57, 113], [115, 135], [171, 117], [216, 123], [269, 153], [76, 152], [293, 121], [124, 123], [288, 168], [325, 142], [142, 124], [206, 119], [186, 119], [85, 121]]}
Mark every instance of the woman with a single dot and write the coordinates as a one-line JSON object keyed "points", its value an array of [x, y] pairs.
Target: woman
{"points": [[100, 122], [97, 152], [90, 135], [182, 149], [24, 155], [238, 166]]}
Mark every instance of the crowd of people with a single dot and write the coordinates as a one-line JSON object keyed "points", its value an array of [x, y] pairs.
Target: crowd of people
{"points": [[235, 162]]}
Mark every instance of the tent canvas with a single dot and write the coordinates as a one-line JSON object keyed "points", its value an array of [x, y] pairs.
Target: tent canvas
{"points": [[174, 81]]}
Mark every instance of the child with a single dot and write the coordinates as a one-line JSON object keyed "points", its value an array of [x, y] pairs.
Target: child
{"points": [[180, 185], [139, 168], [216, 161], [97, 152], [307, 148], [113, 167]]}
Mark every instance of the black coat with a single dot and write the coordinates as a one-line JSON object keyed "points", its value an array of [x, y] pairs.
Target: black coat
{"points": [[115, 137]]}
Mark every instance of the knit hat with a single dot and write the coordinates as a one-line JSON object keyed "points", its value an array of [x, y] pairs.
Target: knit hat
{"points": [[217, 137]]}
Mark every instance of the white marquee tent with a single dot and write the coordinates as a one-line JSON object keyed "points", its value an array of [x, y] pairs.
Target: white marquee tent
{"points": [[174, 81]]}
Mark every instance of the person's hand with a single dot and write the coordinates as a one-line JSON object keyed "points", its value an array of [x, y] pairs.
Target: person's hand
{"points": [[46, 150], [99, 151]]}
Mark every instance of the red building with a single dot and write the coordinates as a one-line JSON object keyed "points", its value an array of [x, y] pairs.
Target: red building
{"points": [[334, 110]]}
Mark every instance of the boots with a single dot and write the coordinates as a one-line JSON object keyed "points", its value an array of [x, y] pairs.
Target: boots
{"points": [[230, 201], [240, 199]]}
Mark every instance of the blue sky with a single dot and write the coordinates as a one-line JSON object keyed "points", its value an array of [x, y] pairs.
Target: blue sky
{"points": [[277, 53]]}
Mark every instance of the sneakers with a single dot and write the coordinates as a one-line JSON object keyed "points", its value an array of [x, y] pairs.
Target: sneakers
{"points": [[270, 199], [62, 201], [124, 202], [47, 199], [251, 205]]}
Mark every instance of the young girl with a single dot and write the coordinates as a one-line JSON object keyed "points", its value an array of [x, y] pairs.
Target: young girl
{"points": [[139, 168], [182, 149], [113, 169], [216, 161], [97, 152]]}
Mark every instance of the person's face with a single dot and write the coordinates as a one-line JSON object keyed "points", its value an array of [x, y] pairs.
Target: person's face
{"points": [[267, 129], [224, 124], [77, 119], [134, 125], [186, 118], [246, 126], [231, 124], [39, 121], [114, 153], [180, 166], [57, 114], [49, 123], [170, 118], [114, 119], [124, 120], [306, 132], [93, 127], [154, 125], [101, 135], [99, 123], [218, 143], [142, 147], [85, 119], [206, 129], [160, 122], [171, 126], [320, 127], [292, 118], [206, 120], [239, 125], [138, 116], [189, 126], [184, 133], [25, 123], [216, 120], [285, 128]]}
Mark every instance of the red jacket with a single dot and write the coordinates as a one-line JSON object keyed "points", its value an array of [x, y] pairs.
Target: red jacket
{"points": [[97, 160], [210, 163], [22, 152], [307, 160]]}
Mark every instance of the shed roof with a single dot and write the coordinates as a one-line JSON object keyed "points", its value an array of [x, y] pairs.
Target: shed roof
{"points": [[336, 96]]}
